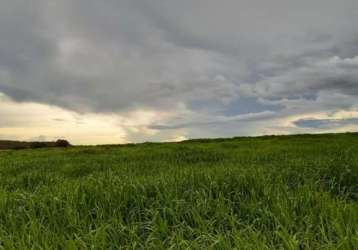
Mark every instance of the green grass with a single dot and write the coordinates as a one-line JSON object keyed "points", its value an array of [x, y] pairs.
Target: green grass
{"points": [[286, 192]]}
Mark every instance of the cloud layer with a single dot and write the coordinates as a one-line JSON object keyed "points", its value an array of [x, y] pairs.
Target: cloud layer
{"points": [[201, 68]]}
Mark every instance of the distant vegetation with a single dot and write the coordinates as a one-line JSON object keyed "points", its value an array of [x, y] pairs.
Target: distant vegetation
{"points": [[274, 192], [36, 144]]}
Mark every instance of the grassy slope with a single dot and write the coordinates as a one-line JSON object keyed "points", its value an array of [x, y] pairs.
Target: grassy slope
{"points": [[292, 192]]}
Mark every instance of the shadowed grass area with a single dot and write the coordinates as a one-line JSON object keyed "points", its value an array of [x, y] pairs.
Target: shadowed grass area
{"points": [[284, 192]]}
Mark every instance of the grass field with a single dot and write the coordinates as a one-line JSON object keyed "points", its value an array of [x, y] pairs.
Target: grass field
{"points": [[286, 192]]}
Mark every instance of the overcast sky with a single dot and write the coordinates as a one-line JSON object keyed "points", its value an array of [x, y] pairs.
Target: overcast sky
{"points": [[117, 71]]}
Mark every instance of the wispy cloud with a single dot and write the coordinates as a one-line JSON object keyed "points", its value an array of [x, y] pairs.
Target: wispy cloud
{"points": [[325, 123]]}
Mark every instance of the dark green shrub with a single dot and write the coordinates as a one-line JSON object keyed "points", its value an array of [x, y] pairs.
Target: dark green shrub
{"points": [[62, 143], [37, 144]]}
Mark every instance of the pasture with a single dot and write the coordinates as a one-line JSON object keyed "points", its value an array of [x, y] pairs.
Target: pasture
{"points": [[273, 192]]}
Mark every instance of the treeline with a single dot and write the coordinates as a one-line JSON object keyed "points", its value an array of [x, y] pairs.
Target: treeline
{"points": [[35, 144]]}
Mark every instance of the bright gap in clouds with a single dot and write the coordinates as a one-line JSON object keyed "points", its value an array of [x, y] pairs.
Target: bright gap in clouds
{"points": [[33, 121]]}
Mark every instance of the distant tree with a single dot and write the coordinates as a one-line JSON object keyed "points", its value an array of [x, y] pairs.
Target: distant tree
{"points": [[37, 144], [62, 143], [17, 147]]}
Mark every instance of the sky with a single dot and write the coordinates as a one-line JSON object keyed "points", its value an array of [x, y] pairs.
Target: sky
{"points": [[119, 71]]}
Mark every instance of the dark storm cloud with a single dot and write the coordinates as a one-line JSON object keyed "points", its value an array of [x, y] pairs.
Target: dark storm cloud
{"points": [[310, 77], [115, 56], [17, 93]]}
